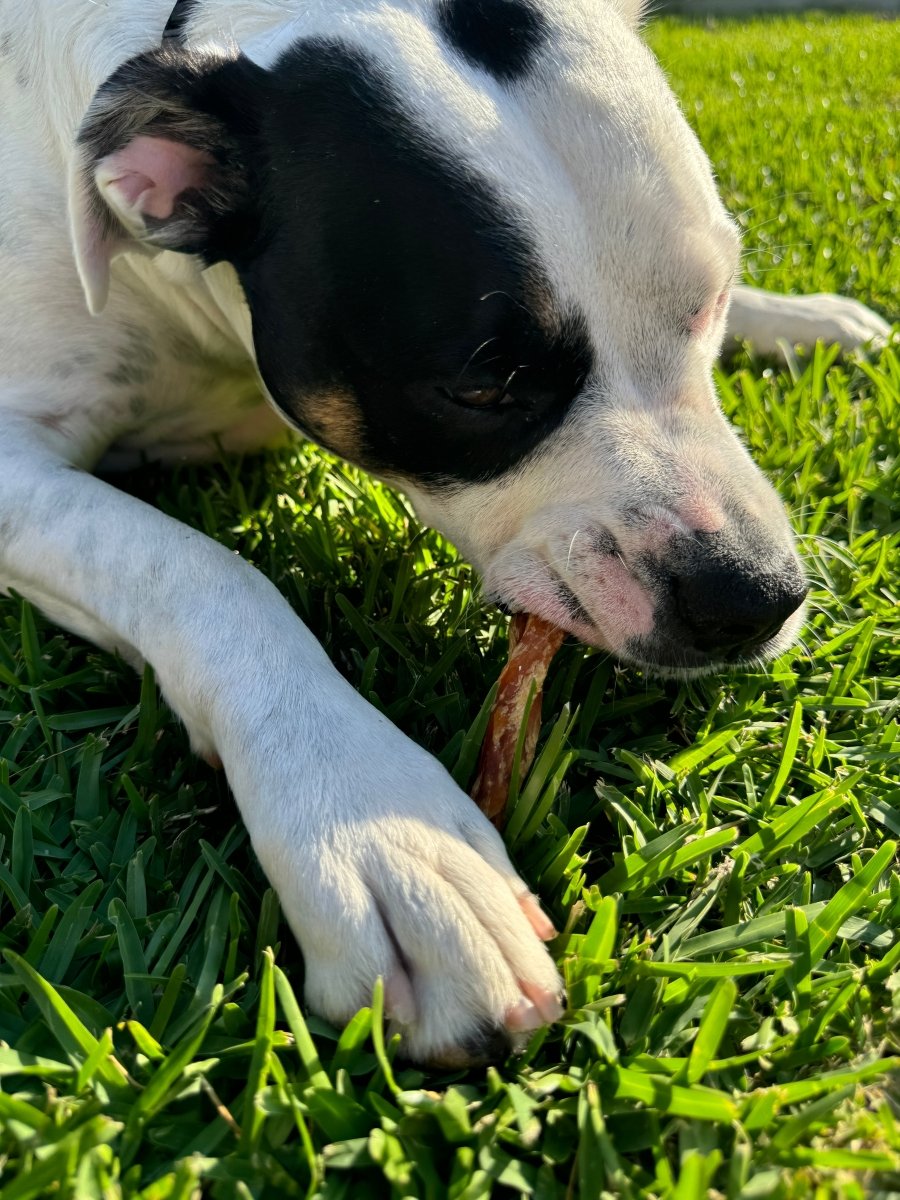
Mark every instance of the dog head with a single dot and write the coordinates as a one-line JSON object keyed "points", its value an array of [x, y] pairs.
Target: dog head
{"points": [[484, 257]]}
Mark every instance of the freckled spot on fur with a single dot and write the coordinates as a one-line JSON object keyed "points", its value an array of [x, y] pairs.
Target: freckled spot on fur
{"points": [[128, 374], [54, 421], [602, 542], [573, 605], [137, 360], [181, 349], [137, 405], [501, 37], [139, 346], [6, 45], [23, 80]]}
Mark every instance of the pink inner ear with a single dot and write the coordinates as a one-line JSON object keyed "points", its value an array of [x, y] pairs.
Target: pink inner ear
{"points": [[150, 173]]}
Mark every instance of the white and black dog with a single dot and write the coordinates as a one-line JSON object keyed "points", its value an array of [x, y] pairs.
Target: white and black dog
{"points": [[471, 245]]}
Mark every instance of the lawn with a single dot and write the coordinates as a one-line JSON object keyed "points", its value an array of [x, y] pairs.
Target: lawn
{"points": [[718, 854]]}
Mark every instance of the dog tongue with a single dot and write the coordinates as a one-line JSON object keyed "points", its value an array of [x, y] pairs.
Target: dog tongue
{"points": [[532, 644]]}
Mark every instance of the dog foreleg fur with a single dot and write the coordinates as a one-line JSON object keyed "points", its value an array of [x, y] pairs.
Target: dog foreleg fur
{"points": [[368, 842]]}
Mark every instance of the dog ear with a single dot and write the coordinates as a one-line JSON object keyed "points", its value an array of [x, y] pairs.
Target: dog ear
{"points": [[160, 159]]}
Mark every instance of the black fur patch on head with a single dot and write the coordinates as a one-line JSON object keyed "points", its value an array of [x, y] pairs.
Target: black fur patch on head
{"points": [[178, 21], [386, 271], [501, 36]]}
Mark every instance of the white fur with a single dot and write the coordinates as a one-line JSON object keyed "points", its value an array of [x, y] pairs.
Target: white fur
{"points": [[770, 322], [353, 823]]}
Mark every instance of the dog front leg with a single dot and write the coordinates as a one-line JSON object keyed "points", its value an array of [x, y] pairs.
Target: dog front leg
{"points": [[383, 866], [767, 319]]}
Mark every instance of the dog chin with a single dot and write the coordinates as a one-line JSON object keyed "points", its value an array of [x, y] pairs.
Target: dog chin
{"points": [[669, 661], [659, 669]]}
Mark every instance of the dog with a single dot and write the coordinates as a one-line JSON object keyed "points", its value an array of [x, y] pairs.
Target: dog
{"points": [[470, 245]]}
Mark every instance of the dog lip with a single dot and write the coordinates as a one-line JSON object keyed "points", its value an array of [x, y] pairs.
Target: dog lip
{"points": [[556, 602], [565, 602], [689, 663], [665, 653]]}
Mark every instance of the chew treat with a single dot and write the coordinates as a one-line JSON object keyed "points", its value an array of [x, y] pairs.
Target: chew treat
{"points": [[532, 644]]}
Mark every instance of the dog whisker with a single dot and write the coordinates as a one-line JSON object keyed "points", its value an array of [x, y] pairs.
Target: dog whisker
{"points": [[571, 548], [474, 355]]}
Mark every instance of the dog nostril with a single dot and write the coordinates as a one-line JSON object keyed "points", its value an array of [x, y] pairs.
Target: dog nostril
{"points": [[730, 612]]}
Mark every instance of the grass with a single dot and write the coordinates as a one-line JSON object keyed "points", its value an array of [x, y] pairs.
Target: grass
{"points": [[719, 855]]}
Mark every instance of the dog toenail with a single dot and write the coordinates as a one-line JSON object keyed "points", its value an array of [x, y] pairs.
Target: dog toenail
{"points": [[547, 1004], [524, 1017], [539, 921], [399, 1001]]}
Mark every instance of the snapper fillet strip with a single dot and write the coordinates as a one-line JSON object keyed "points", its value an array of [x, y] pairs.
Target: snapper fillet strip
{"points": [[533, 642]]}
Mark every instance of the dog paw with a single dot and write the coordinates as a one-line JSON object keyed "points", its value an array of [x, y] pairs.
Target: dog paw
{"points": [[391, 871], [850, 324], [772, 321]]}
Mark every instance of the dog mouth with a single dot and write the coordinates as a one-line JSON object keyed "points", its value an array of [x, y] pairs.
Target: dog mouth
{"points": [[667, 659], [560, 606], [640, 620], [548, 596]]}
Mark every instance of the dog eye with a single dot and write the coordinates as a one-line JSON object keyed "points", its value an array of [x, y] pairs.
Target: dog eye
{"points": [[482, 397], [492, 397]]}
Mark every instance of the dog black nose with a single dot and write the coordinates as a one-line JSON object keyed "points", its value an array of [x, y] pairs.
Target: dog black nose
{"points": [[729, 612]]}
